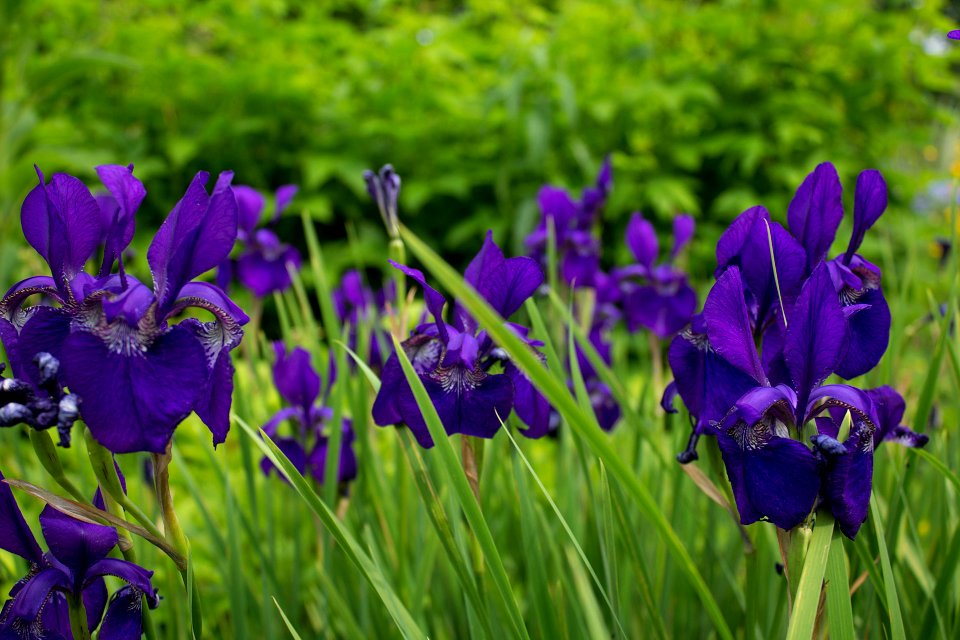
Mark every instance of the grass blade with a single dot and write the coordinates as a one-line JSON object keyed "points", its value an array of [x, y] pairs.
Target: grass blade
{"points": [[889, 584], [811, 580], [839, 608]]}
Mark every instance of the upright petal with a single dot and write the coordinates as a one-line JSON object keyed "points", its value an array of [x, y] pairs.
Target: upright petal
{"points": [[869, 204], [758, 271], [728, 325], [641, 239], [284, 197], [127, 193], [134, 401], [817, 335], [683, 227], [556, 204], [816, 211], [434, 299], [294, 376], [731, 242], [197, 236], [61, 220], [15, 534], [250, 205]]}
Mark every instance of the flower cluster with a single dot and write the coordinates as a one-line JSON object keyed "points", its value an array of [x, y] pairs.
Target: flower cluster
{"points": [[356, 304], [73, 568], [300, 386], [454, 361], [812, 317], [137, 373], [264, 263]]}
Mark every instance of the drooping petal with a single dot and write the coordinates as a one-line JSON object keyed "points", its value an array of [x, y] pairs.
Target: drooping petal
{"points": [[133, 574], [773, 478], [849, 479], [250, 205], [470, 402], [869, 204], [133, 401], [17, 294], [816, 336], [95, 598], [44, 332], [531, 406], [641, 239], [61, 220], [728, 325], [15, 534], [683, 228], [127, 193], [890, 408], [124, 618], [816, 211], [78, 545], [869, 335], [197, 236], [30, 601]]}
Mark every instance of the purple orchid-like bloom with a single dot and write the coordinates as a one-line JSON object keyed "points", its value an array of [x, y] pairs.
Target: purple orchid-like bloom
{"points": [[454, 360], [656, 296], [774, 474], [814, 216], [137, 373], [74, 567], [264, 263], [299, 385], [355, 304], [578, 249]]}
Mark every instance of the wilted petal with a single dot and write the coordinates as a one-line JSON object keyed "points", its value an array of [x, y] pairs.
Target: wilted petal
{"points": [[641, 239], [15, 534], [197, 236], [869, 204], [135, 400], [816, 211], [817, 335]]}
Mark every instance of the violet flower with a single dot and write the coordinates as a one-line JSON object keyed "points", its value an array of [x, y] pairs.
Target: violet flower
{"points": [[300, 386], [356, 303], [454, 360], [384, 188], [578, 250], [656, 296], [74, 566], [264, 261], [138, 373]]}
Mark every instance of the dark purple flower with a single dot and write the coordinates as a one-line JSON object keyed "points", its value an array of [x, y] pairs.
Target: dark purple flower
{"points": [[264, 263], [656, 296], [454, 360], [356, 303], [138, 374], [954, 35], [74, 567], [578, 249], [300, 387]]}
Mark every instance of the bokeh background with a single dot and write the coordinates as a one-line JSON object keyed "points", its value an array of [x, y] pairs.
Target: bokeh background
{"points": [[706, 107]]}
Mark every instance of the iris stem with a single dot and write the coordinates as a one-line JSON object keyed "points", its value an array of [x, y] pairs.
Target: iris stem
{"points": [[78, 618], [173, 530], [398, 253]]}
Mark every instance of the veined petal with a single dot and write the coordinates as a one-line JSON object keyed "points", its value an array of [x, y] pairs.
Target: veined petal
{"points": [[136, 399], [816, 211], [44, 332], [470, 402], [35, 285], [758, 273], [197, 236], [869, 335]]}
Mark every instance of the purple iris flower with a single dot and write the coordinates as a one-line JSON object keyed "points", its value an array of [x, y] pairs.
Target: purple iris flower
{"points": [[774, 474], [656, 296], [384, 188], [954, 35], [262, 266], [454, 360], [74, 566], [813, 215], [299, 385], [137, 373], [578, 249]]}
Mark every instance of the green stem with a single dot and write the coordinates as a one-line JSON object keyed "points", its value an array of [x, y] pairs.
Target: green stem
{"points": [[47, 454], [398, 253], [78, 618]]}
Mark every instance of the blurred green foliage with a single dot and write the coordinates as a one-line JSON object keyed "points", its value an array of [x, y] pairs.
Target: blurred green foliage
{"points": [[708, 107]]}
